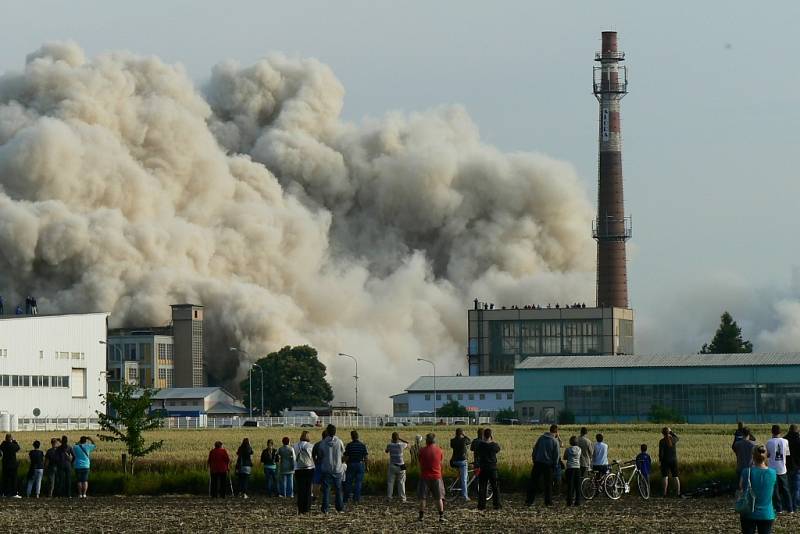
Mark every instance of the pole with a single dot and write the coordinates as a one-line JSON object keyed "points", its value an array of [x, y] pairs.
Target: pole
{"points": [[250, 390], [261, 375], [355, 360]]}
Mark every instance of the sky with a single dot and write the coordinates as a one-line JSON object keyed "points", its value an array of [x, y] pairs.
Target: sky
{"points": [[709, 142]]}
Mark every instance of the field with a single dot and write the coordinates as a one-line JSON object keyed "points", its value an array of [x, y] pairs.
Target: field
{"points": [[200, 514], [179, 467]]}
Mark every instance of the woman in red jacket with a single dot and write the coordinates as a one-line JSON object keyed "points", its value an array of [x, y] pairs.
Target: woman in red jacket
{"points": [[218, 464]]}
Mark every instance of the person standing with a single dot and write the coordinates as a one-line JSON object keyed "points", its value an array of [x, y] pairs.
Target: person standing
{"points": [[81, 453], [545, 456], [332, 450], [487, 462], [397, 467], [793, 464], [244, 466], [268, 458], [572, 459], [355, 455], [739, 433], [600, 456], [587, 451], [219, 463], [473, 447], [643, 461], [286, 463], [459, 444], [8, 451], [64, 457], [51, 466], [35, 470], [668, 460], [777, 451], [743, 449], [761, 479], [303, 472], [430, 476], [316, 481]]}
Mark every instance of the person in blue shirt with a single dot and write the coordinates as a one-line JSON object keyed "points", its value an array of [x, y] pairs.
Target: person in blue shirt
{"points": [[82, 452], [643, 461], [762, 480]]}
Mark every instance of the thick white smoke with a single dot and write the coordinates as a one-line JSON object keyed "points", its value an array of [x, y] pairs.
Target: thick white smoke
{"points": [[124, 187]]}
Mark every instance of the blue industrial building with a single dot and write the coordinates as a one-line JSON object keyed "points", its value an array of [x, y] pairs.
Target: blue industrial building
{"points": [[703, 388]]}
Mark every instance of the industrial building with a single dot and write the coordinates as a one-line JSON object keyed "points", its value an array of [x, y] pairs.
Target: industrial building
{"points": [[703, 388], [52, 366], [483, 395], [197, 402], [163, 356]]}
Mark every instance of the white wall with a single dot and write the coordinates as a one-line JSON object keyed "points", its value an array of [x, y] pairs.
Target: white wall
{"points": [[417, 402], [31, 343]]}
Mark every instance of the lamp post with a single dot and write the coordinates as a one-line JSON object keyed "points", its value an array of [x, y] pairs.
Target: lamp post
{"points": [[249, 378], [434, 385], [356, 377], [261, 371]]}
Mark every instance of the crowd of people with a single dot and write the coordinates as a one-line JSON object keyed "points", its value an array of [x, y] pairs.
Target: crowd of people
{"points": [[52, 468]]}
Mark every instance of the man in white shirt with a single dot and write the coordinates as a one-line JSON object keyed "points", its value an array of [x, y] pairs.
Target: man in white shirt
{"points": [[777, 451]]}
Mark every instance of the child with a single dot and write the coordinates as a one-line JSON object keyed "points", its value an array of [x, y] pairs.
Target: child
{"points": [[643, 462]]}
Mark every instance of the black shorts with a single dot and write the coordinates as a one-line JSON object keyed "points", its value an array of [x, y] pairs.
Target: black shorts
{"points": [[82, 475], [669, 469]]}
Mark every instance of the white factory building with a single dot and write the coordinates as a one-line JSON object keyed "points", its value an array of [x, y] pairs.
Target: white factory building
{"points": [[52, 366], [482, 395]]}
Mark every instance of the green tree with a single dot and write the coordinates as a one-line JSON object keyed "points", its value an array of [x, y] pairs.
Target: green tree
{"points": [[728, 339], [663, 414], [566, 417], [452, 409], [128, 418], [293, 376]]}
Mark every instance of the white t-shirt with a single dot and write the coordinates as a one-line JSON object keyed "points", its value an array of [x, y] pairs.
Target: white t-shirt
{"points": [[777, 451], [600, 454]]}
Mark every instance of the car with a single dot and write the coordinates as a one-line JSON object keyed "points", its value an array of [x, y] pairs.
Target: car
{"points": [[250, 423], [390, 423], [306, 425], [508, 421], [459, 423]]}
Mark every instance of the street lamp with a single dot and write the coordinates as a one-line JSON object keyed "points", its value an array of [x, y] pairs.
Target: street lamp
{"points": [[260, 370], [249, 377], [434, 385], [356, 377]]}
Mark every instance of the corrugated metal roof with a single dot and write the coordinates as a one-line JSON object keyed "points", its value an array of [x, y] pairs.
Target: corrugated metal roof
{"points": [[186, 393], [464, 383], [660, 360]]}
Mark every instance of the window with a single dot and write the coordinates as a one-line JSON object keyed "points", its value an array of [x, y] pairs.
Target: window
{"points": [[162, 374], [76, 356], [15, 380], [3, 353], [509, 396], [449, 397], [524, 411], [498, 396], [26, 381], [79, 383], [438, 396], [471, 396], [36, 381], [460, 396], [427, 396], [46, 381], [164, 352], [62, 355], [41, 355], [482, 396], [5, 381], [133, 374]]}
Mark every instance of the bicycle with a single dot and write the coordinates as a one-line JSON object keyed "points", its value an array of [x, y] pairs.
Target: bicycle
{"points": [[597, 482], [623, 485], [453, 490]]}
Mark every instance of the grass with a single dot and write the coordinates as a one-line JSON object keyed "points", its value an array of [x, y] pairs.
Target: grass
{"points": [[179, 467]]}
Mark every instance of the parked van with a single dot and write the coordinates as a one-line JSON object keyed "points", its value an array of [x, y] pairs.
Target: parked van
{"points": [[312, 416]]}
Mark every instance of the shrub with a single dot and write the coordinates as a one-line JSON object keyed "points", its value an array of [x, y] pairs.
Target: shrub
{"points": [[664, 414], [566, 417]]}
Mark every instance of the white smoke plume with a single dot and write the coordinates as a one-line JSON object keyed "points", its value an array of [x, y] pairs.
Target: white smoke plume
{"points": [[123, 187]]}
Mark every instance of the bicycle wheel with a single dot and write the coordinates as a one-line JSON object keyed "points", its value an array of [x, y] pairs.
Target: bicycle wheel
{"points": [[643, 485], [453, 490], [614, 486], [588, 488]]}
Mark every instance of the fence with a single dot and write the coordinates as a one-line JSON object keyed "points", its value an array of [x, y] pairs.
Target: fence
{"points": [[56, 423]]}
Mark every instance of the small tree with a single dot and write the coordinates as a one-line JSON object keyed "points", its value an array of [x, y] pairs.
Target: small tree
{"points": [[664, 414], [566, 417], [728, 339], [452, 409], [128, 419]]}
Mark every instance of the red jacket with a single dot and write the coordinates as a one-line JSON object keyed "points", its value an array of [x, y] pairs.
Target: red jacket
{"points": [[218, 460]]}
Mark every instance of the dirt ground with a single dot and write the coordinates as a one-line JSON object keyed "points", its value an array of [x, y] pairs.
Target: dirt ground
{"points": [[196, 514]]}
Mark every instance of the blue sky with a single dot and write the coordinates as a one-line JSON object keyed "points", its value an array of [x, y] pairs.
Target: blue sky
{"points": [[709, 124]]}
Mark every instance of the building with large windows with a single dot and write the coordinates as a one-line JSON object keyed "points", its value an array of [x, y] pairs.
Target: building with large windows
{"points": [[703, 388], [163, 356], [482, 395], [500, 339], [52, 366]]}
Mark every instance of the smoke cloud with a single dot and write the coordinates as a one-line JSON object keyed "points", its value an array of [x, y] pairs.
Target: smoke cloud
{"points": [[124, 187]]}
